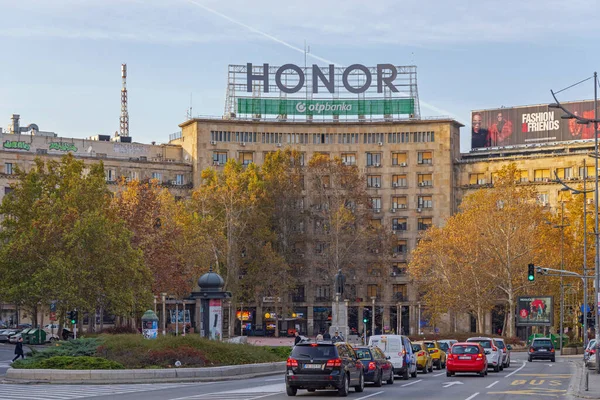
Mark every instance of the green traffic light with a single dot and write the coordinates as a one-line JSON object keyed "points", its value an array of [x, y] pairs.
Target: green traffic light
{"points": [[531, 277], [365, 320], [73, 321]]}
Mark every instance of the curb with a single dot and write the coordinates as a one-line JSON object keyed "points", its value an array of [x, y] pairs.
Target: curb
{"points": [[576, 388], [209, 374]]}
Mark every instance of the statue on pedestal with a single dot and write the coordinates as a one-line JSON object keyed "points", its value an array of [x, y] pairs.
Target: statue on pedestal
{"points": [[340, 281]]}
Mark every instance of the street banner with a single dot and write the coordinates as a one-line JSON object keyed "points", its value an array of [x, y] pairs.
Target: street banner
{"points": [[215, 312], [535, 311]]}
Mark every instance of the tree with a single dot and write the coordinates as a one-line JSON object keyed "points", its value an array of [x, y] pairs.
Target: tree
{"points": [[62, 241]]}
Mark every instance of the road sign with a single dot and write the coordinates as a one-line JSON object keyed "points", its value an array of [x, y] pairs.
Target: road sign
{"points": [[52, 316], [587, 308]]}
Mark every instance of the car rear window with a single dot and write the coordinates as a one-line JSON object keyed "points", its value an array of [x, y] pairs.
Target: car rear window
{"points": [[499, 343], [363, 354], [542, 343], [417, 347], [486, 344], [429, 345], [465, 349], [318, 352], [387, 344], [443, 346]]}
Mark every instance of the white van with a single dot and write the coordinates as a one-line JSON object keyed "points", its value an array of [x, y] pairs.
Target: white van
{"points": [[398, 349]]}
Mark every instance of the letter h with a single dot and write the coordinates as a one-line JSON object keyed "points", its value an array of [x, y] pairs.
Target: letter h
{"points": [[251, 77]]}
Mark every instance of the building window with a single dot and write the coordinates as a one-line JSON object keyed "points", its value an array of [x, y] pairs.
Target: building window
{"points": [[374, 270], [399, 181], [424, 202], [399, 137], [477, 179], [372, 291], [399, 202], [246, 157], [8, 168], [425, 179], [425, 157], [373, 138], [321, 247], [219, 158], [398, 269], [399, 159], [179, 179], [298, 293], [401, 247], [300, 159], [110, 175], [543, 199], [565, 173], [376, 204], [373, 159], [157, 176], [349, 158], [133, 175], [400, 292], [323, 293], [586, 174], [348, 138], [374, 181], [523, 176], [7, 190], [399, 224], [424, 223], [541, 175]]}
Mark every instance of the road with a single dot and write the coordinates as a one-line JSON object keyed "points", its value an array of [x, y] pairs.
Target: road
{"points": [[523, 380]]}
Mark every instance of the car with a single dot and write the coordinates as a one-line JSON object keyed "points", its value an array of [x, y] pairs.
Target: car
{"points": [[424, 360], [589, 350], [376, 366], [437, 354], [399, 349], [466, 357], [445, 344], [541, 349], [14, 338], [505, 351], [323, 365], [493, 354], [5, 334]]}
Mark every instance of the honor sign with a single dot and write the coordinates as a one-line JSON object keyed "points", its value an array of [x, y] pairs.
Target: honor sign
{"points": [[356, 79]]}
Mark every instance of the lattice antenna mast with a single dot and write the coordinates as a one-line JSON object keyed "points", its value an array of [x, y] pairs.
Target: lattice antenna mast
{"points": [[124, 120]]}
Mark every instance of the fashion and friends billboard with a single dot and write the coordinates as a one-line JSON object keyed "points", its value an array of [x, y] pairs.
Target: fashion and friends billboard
{"points": [[535, 311], [529, 125]]}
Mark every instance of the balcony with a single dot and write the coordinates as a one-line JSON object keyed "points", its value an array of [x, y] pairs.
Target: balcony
{"points": [[399, 297]]}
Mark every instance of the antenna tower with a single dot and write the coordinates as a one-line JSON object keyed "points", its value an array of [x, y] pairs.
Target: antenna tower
{"points": [[124, 120]]}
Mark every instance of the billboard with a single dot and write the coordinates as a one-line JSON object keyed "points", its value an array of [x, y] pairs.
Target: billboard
{"points": [[535, 311], [529, 125], [248, 105]]}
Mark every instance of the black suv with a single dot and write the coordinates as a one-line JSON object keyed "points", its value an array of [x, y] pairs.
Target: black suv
{"points": [[323, 365], [541, 349]]}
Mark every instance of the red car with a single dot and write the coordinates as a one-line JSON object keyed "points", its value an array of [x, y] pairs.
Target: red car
{"points": [[466, 357]]}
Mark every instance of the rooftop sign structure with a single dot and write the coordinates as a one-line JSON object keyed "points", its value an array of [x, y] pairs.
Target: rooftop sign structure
{"points": [[299, 93]]}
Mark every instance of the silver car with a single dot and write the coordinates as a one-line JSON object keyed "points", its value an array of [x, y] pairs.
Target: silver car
{"points": [[505, 351], [5, 334], [493, 353]]}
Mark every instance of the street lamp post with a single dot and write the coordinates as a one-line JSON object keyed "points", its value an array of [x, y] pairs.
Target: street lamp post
{"points": [[373, 316], [587, 121]]}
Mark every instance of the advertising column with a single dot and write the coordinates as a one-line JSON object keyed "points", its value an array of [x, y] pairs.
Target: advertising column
{"points": [[215, 312]]}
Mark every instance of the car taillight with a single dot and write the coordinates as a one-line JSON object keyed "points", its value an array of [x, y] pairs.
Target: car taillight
{"points": [[372, 366], [455, 356], [334, 362], [422, 354], [531, 349], [479, 356], [551, 350], [292, 362], [494, 348], [593, 351], [434, 350], [404, 352], [504, 350]]}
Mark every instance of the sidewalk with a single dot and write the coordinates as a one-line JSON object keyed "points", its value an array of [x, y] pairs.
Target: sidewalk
{"points": [[577, 387], [271, 341]]}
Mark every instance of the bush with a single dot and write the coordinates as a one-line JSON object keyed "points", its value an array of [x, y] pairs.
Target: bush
{"points": [[281, 351], [188, 356], [68, 362], [73, 348], [119, 330]]}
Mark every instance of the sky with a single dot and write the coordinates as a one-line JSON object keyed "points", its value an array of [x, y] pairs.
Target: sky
{"points": [[62, 58]]}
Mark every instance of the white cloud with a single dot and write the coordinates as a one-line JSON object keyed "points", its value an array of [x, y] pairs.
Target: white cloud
{"points": [[347, 22]]}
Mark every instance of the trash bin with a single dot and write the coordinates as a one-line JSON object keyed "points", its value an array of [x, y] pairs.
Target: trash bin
{"points": [[25, 335], [150, 325], [37, 336]]}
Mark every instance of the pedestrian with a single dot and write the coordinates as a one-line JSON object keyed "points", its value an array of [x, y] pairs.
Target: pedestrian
{"points": [[336, 337], [298, 338], [326, 336], [319, 337], [19, 350]]}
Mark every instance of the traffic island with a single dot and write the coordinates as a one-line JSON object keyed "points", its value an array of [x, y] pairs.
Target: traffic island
{"points": [[207, 374]]}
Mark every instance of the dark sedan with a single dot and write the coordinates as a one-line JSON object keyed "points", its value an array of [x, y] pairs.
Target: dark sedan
{"points": [[376, 367], [541, 349]]}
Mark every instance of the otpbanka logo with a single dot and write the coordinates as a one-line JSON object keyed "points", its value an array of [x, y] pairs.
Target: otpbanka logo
{"points": [[321, 107]]}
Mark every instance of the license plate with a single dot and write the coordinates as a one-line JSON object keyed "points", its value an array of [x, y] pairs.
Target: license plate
{"points": [[312, 366], [464, 358], [543, 350]]}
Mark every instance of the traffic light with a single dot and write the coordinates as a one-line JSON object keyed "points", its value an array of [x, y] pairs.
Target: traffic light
{"points": [[531, 272], [581, 319], [366, 315], [74, 318]]}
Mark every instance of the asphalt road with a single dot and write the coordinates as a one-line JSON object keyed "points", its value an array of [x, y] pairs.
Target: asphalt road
{"points": [[523, 380]]}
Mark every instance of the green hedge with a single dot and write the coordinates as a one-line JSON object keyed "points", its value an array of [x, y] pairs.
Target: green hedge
{"points": [[68, 362]]}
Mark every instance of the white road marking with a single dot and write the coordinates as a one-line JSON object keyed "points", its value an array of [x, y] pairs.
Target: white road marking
{"points": [[276, 379], [448, 384], [517, 370], [411, 383], [472, 396], [277, 388], [491, 384], [371, 395], [440, 374]]}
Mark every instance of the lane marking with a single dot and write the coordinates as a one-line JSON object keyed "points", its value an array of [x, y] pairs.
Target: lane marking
{"points": [[472, 396], [412, 383], [371, 395], [517, 370], [448, 384], [491, 384], [276, 379], [556, 376], [440, 374]]}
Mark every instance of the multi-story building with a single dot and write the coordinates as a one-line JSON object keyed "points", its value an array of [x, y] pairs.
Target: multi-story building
{"points": [[409, 175]]}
